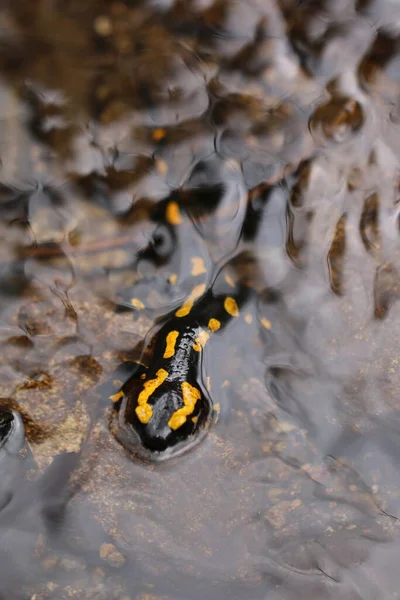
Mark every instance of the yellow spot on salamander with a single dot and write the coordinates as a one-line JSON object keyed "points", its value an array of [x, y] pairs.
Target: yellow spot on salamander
{"points": [[173, 214], [229, 281], [248, 318], [213, 324], [138, 304], [190, 396], [201, 340], [143, 410], [231, 307], [266, 323], [188, 304], [195, 419], [171, 341], [144, 413], [173, 278], [198, 266], [158, 134], [117, 397]]}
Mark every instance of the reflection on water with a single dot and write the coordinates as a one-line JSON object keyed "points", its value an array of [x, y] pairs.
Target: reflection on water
{"points": [[273, 128]]}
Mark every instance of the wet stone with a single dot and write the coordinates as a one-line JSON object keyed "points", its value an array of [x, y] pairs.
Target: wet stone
{"points": [[109, 553]]}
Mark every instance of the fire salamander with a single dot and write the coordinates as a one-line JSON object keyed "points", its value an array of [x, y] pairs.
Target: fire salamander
{"points": [[166, 408]]}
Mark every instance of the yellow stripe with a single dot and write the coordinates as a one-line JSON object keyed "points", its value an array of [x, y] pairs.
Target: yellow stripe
{"points": [[231, 307], [188, 304], [143, 410], [173, 214], [171, 341], [190, 396]]}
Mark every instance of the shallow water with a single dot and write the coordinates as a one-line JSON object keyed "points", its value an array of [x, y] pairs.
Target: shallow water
{"points": [[276, 124]]}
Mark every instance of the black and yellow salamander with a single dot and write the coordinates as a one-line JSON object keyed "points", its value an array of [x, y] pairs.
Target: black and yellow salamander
{"points": [[165, 409]]}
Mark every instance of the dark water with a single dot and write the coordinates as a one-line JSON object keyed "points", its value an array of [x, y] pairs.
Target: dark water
{"points": [[276, 124]]}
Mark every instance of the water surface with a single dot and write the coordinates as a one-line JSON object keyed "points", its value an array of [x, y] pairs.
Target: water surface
{"points": [[278, 124]]}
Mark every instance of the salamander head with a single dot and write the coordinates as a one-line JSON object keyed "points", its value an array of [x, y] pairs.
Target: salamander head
{"points": [[170, 422]]}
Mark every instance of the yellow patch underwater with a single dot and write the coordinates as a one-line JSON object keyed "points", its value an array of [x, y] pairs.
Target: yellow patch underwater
{"points": [[189, 302], [198, 266], [231, 306], [173, 214], [266, 323], [138, 304]]}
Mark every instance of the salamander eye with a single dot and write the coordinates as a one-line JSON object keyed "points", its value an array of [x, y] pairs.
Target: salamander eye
{"points": [[159, 248], [163, 241]]}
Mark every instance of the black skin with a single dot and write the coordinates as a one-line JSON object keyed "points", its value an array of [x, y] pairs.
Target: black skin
{"points": [[156, 435], [155, 438]]}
